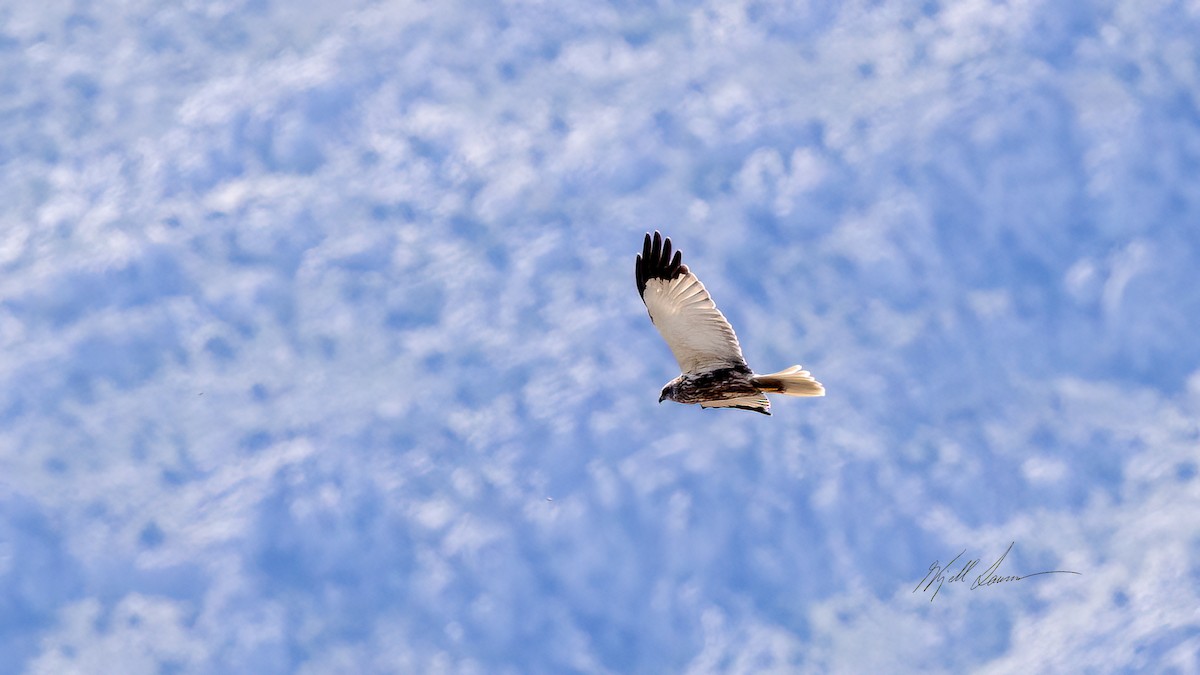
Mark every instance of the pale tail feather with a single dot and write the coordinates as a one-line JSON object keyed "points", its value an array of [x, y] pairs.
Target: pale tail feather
{"points": [[794, 381]]}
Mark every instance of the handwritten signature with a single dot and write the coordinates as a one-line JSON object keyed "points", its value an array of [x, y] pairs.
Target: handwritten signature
{"points": [[990, 577]]}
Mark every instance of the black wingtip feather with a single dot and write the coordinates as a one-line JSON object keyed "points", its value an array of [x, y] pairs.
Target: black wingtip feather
{"points": [[657, 261]]}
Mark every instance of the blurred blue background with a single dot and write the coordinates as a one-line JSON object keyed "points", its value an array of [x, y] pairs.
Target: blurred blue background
{"points": [[320, 349]]}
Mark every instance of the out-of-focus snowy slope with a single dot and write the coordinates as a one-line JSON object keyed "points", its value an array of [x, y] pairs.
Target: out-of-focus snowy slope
{"points": [[320, 349]]}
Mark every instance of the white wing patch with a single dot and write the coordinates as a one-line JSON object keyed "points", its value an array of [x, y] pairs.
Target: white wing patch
{"points": [[698, 334]]}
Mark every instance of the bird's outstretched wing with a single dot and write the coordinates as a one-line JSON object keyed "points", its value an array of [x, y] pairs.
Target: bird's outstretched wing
{"points": [[698, 334], [758, 403]]}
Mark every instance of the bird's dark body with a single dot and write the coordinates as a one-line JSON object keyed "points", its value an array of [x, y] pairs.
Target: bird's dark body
{"points": [[713, 385]]}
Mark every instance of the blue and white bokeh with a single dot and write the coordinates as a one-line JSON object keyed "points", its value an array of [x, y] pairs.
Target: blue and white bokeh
{"points": [[320, 350]]}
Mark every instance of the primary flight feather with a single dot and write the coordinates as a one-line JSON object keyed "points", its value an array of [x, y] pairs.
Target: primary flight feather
{"points": [[715, 374]]}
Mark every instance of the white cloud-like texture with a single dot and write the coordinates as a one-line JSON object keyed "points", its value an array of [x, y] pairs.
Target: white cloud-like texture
{"points": [[320, 349]]}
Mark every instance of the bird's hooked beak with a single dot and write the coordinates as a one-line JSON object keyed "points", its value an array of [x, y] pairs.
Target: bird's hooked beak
{"points": [[662, 397]]}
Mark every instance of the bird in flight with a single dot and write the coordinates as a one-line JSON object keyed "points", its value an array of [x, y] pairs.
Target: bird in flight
{"points": [[715, 373]]}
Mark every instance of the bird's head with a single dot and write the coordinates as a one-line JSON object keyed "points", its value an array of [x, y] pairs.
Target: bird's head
{"points": [[668, 392]]}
